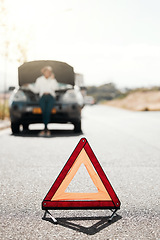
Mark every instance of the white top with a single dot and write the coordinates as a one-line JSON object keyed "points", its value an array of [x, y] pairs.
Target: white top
{"points": [[44, 85]]}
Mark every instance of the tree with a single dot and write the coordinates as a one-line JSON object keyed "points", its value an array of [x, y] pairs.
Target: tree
{"points": [[104, 92], [4, 29], [14, 41], [14, 45]]}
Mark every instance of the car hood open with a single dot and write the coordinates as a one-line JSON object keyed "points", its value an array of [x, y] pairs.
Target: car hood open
{"points": [[30, 71]]}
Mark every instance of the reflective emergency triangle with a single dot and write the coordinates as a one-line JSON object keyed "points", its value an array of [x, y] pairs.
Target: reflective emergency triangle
{"points": [[105, 197]]}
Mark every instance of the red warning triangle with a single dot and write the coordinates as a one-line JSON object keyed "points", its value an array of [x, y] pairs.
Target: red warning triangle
{"points": [[58, 198]]}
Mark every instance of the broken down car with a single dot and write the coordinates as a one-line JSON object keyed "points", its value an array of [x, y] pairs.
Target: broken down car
{"points": [[24, 104]]}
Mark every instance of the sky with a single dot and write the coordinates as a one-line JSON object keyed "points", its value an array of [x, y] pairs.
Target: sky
{"points": [[106, 41]]}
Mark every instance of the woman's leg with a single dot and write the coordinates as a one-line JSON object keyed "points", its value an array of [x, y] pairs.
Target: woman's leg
{"points": [[43, 105], [50, 104]]}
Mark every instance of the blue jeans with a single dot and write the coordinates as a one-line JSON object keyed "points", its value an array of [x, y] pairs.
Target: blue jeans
{"points": [[46, 103]]}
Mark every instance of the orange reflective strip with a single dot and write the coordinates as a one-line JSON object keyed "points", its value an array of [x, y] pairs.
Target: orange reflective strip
{"points": [[39, 111], [102, 193], [53, 110]]}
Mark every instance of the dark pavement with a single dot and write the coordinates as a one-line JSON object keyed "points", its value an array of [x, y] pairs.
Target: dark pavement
{"points": [[127, 145]]}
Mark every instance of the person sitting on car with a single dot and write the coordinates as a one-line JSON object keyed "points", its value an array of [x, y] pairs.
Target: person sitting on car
{"points": [[45, 86]]}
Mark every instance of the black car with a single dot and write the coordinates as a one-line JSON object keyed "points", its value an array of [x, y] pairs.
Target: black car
{"points": [[24, 104]]}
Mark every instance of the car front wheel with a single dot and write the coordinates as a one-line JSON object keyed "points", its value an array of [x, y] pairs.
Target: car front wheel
{"points": [[25, 127], [77, 126], [15, 127]]}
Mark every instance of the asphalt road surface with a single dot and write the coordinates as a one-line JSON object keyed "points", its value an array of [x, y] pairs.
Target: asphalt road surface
{"points": [[127, 145]]}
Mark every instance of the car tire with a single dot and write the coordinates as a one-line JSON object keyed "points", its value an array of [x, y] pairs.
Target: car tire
{"points": [[77, 127], [15, 127], [25, 127]]}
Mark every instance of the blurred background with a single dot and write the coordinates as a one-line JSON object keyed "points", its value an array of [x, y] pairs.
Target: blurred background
{"points": [[114, 45]]}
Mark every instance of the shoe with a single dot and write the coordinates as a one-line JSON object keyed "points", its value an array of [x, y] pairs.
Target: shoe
{"points": [[41, 134], [48, 133]]}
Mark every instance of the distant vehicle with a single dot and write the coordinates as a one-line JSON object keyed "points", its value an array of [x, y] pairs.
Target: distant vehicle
{"points": [[89, 100], [24, 104]]}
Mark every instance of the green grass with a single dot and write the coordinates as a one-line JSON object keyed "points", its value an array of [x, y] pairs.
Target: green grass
{"points": [[4, 110]]}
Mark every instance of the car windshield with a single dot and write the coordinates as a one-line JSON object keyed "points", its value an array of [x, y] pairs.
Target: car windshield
{"points": [[61, 86], [64, 86]]}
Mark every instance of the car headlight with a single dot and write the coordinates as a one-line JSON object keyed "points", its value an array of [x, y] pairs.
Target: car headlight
{"points": [[19, 96], [69, 97], [73, 96]]}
